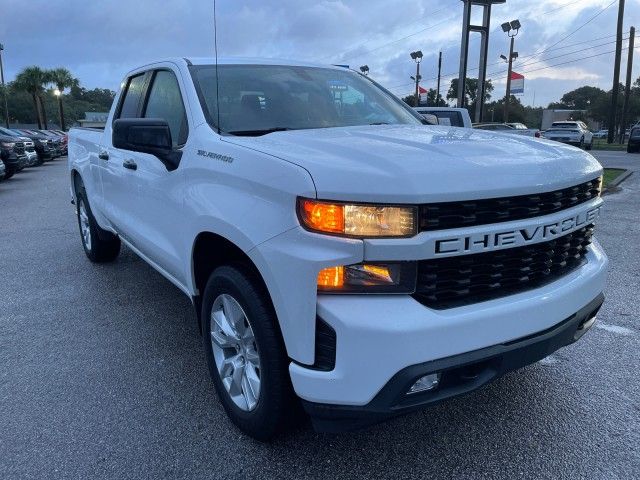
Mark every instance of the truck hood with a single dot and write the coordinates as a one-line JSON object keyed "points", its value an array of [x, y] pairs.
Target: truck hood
{"points": [[422, 164]]}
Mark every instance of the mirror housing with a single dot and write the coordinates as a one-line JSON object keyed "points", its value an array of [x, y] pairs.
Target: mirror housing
{"points": [[146, 135]]}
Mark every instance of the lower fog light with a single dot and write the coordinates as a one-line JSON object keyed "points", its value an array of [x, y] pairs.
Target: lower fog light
{"points": [[426, 383]]}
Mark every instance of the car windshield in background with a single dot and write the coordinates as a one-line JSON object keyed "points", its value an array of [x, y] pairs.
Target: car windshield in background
{"points": [[564, 125], [260, 99], [447, 118]]}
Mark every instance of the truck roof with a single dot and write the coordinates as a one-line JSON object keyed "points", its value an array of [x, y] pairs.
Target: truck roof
{"points": [[245, 61]]}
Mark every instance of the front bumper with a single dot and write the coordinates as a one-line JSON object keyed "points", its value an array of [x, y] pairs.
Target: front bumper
{"points": [[380, 335], [460, 374]]}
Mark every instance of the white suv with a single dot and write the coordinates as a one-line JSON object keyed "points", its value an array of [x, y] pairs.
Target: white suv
{"points": [[573, 133]]}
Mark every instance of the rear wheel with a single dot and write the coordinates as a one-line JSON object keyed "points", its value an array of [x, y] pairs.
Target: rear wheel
{"points": [[245, 352], [99, 245]]}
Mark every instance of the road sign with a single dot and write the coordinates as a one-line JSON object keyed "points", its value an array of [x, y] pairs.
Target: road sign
{"points": [[517, 84]]}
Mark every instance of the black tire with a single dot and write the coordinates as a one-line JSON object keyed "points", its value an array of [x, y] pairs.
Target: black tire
{"points": [[581, 146], [103, 246], [276, 402], [590, 146], [7, 176]]}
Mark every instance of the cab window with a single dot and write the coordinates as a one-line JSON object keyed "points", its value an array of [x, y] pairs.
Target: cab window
{"points": [[131, 101], [165, 102]]}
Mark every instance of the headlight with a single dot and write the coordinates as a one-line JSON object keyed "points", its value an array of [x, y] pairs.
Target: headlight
{"points": [[369, 278], [357, 220], [7, 144]]}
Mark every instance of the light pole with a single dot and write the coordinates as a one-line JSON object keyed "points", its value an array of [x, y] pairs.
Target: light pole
{"points": [[417, 56], [4, 92], [365, 70], [508, 28], [58, 93], [439, 73]]}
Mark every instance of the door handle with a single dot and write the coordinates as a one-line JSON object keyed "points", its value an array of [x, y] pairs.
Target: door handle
{"points": [[103, 155], [130, 164]]}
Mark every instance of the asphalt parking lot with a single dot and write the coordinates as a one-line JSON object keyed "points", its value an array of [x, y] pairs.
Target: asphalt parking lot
{"points": [[102, 375]]}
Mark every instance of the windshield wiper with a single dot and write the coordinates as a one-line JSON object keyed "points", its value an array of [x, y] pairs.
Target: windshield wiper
{"points": [[257, 133], [379, 123]]}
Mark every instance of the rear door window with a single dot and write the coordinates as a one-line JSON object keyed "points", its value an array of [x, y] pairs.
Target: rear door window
{"points": [[130, 105]]}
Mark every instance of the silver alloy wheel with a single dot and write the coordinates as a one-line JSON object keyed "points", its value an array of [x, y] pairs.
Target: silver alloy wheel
{"points": [[235, 351], [85, 229]]}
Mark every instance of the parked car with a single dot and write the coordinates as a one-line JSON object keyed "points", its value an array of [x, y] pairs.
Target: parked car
{"points": [[64, 139], [32, 159], [522, 129], [633, 145], [12, 154], [601, 134], [513, 128], [60, 148], [454, 117], [43, 145], [351, 259], [574, 133], [2, 170]]}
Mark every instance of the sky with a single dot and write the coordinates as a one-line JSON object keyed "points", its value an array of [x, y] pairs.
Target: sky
{"points": [[100, 41]]}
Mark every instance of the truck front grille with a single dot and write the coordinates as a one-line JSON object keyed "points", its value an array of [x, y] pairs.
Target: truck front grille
{"points": [[456, 281], [440, 216], [18, 148]]}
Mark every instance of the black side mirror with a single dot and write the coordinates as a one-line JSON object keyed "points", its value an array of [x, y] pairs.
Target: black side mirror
{"points": [[146, 135]]}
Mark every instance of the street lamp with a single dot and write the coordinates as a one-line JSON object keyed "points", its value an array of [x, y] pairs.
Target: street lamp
{"points": [[417, 57], [365, 70], [4, 92], [511, 29], [58, 93]]}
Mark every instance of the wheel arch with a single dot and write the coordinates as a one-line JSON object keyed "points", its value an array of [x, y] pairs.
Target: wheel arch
{"points": [[211, 250]]}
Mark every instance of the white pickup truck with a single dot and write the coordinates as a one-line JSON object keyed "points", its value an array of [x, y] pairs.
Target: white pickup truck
{"points": [[339, 253]]}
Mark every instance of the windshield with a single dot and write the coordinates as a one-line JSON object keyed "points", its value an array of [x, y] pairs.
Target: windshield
{"points": [[6, 131], [259, 99], [564, 125]]}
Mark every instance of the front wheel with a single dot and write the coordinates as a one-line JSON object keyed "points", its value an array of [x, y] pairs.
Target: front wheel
{"points": [[590, 146], [581, 146], [245, 352]]}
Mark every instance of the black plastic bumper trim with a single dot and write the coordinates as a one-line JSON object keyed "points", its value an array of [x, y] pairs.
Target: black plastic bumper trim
{"points": [[461, 374]]}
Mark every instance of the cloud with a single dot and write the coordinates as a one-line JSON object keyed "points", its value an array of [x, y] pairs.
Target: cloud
{"points": [[100, 41]]}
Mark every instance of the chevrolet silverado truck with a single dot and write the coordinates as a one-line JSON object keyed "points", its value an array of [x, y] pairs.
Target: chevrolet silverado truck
{"points": [[340, 255]]}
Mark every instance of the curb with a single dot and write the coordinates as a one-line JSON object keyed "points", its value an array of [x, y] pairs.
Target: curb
{"points": [[613, 186]]}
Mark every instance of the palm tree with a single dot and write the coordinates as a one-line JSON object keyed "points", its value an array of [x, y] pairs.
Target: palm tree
{"points": [[32, 81], [61, 78]]}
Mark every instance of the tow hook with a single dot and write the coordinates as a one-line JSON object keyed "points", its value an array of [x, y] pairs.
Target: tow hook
{"points": [[586, 325]]}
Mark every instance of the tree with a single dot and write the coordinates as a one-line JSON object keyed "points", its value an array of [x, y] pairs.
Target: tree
{"points": [[581, 98], [32, 81], [470, 93], [62, 78]]}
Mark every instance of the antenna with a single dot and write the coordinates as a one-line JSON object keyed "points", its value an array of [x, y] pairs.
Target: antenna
{"points": [[215, 43]]}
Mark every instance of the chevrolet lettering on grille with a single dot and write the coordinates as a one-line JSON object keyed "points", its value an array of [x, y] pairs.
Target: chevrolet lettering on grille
{"points": [[535, 233]]}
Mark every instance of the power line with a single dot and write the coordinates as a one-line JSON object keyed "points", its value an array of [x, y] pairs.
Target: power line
{"points": [[396, 41], [453, 74], [354, 49], [561, 7], [576, 30]]}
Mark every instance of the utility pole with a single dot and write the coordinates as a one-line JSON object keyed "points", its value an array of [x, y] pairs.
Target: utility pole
{"points": [[616, 74], [418, 84], [417, 57], [511, 29], [4, 91], [507, 98], [439, 72], [627, 89]]}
